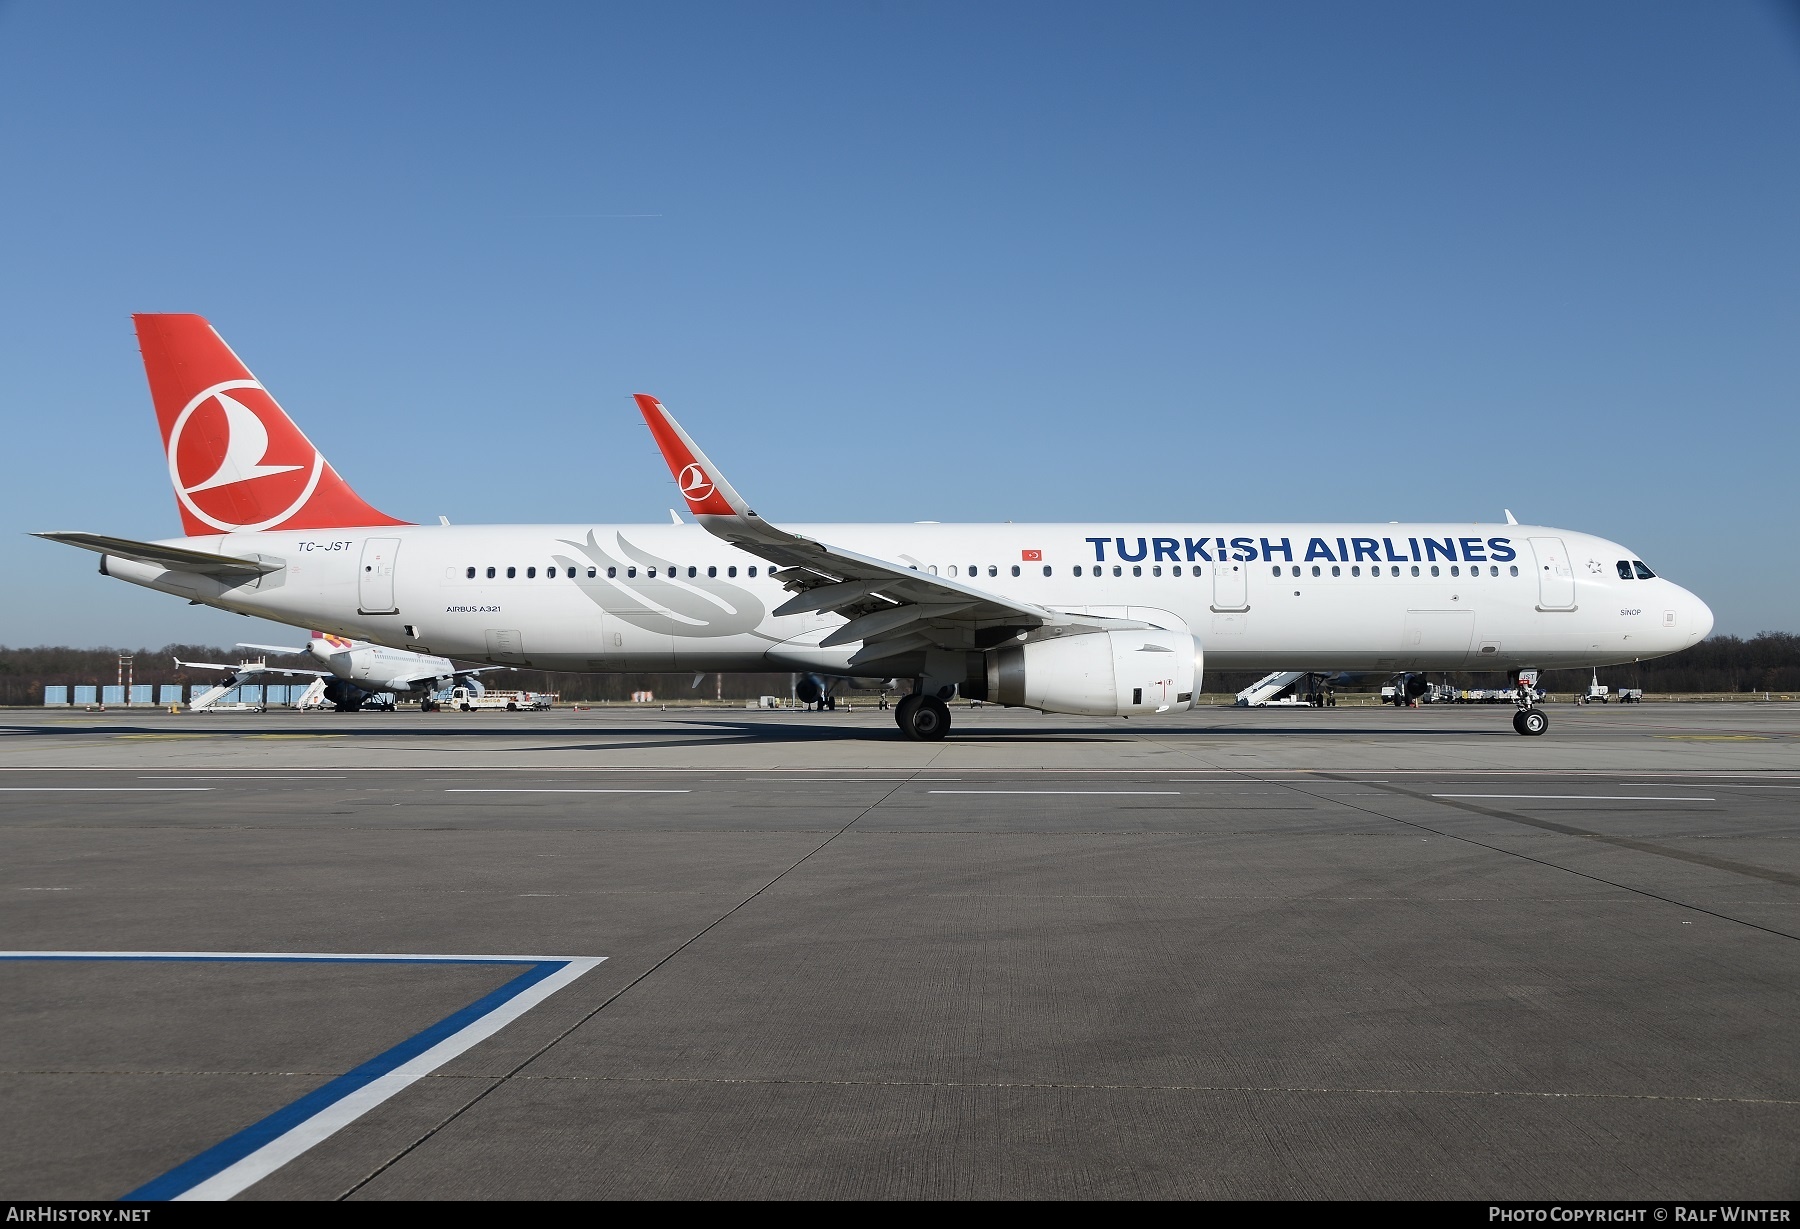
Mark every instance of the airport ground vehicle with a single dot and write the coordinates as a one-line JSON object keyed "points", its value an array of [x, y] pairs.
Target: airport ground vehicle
{"points": [[468, 700], [1101, 619]]}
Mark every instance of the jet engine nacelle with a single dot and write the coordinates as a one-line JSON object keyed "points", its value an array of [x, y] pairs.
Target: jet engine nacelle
{"points": [[1099, 674]]}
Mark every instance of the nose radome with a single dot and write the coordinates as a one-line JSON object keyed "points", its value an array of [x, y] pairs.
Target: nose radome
{"points": [[1697, 618]]}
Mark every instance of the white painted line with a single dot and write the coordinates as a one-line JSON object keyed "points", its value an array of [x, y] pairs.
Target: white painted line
{"points": [[334, 1118], [1690, 784], [567, 790], [310, 1127], [1058, 793], [1584, 797], [105, 789], [183, 777]]}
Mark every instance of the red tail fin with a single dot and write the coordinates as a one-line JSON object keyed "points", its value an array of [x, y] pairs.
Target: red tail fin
{"points": [[237, 461]]}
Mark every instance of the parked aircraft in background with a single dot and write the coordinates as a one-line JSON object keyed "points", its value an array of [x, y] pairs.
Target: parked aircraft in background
{"points": [[1098, 619], [359, 669]]}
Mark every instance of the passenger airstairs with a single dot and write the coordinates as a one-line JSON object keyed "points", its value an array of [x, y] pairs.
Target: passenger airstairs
{"points": [[1268, 687], [213, 700]]}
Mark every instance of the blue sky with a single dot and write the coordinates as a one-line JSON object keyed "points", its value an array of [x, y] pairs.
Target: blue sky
{"points": [[909, 261]]}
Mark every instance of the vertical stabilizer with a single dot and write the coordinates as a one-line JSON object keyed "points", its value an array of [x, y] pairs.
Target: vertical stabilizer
{"points": [[236, 460]]}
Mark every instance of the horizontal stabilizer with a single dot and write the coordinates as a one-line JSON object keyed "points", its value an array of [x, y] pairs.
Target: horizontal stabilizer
{"points": [[175, 558]]}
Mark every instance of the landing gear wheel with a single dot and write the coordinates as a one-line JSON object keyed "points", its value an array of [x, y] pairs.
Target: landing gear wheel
{"points": [[1530, 721], [923, 718]]}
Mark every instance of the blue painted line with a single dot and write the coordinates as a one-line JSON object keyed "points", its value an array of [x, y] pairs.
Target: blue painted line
{"points": [[191, 1173], [221, 1156], [266, 959]]}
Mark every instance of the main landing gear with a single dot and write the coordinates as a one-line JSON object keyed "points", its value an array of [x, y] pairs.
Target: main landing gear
{"points": [[922, 718], [1530, 721]]}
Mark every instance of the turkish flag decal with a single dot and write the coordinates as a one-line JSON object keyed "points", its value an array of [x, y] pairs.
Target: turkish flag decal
{"points": [[1031, 556]]}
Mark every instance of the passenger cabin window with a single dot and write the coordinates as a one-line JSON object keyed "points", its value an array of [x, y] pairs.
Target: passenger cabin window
{"points": [[1415, 569], [1136, 570], [1434, 569], [1277, 569], [712, 571], [612, 573], [1514, 569], [631, 573], [1335, 571], [1078, 569], [992, 570], [1455, 571], [1015, 569], [490, 575], [1117, 570], [1174, 571], [1643, 573], [752, 571], [530, 573], [732, 570], [593, 572], [1355, 570], [511, 572], [953, 569], [693, 571], [471, 573], [1046, 569]]}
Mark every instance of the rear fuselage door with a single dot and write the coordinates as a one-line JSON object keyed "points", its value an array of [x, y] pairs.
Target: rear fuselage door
{"points": [[1556, 578], [375, 583]]}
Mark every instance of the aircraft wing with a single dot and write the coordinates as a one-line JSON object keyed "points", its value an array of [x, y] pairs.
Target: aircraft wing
{"points": [[245, 669], [892, 607], [175, 558], [267, 648], [421, 676]]}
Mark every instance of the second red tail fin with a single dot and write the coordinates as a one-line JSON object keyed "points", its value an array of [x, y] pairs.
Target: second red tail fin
{"points": [[237, 461]]}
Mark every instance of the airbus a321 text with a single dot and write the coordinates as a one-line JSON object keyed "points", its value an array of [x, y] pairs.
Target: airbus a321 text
{"points": [[1097, 619]]}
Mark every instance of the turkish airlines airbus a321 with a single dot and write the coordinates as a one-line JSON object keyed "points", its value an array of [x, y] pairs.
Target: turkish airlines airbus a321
{"points": [[1097, 619]]}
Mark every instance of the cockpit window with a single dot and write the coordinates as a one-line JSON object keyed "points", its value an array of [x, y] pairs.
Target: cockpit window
{"points": [[1624, 569], [1643, 573]]}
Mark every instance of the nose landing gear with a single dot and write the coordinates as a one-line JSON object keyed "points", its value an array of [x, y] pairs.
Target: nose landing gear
{"points": [[1530, 720]]}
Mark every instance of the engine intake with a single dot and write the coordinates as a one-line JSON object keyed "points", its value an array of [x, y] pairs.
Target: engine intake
{"points": [[1099, 674]]}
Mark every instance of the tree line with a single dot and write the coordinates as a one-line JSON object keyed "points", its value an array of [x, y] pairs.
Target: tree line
{"points": [[1765, 662]]}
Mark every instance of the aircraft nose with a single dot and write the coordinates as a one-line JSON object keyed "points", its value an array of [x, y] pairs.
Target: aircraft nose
{"points": [[1700, 619]]}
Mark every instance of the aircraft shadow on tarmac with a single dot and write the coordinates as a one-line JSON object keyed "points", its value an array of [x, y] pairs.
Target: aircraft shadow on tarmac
{"points": [[656, 734]]}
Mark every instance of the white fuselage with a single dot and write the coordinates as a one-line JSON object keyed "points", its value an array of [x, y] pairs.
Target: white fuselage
{"points": [[374, 667], [674, 597]]}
